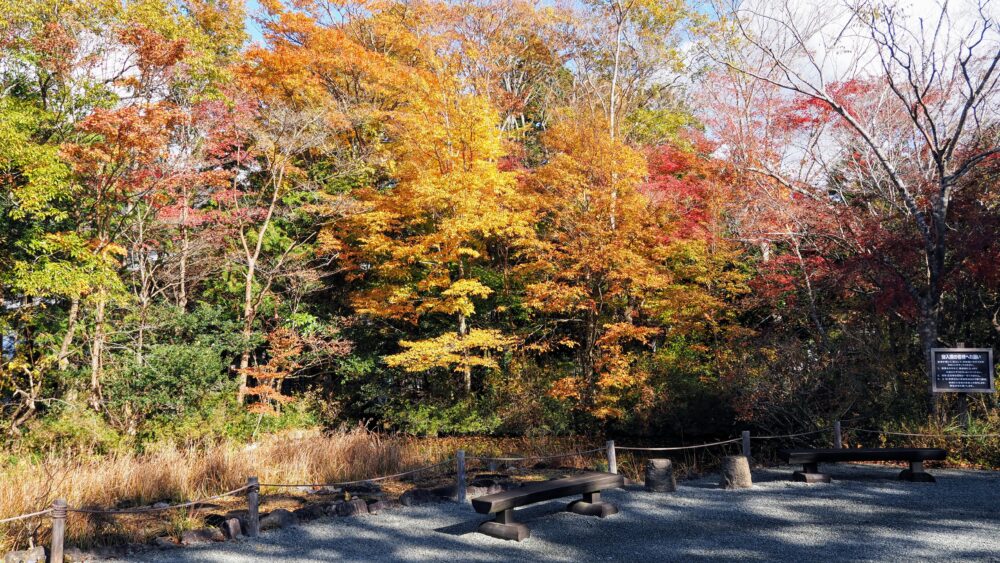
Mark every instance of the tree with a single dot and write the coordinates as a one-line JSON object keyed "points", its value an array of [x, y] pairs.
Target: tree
{"points": [[897, 135]]}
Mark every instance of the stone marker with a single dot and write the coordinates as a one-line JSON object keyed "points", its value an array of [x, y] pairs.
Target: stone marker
{"points": [[736, 472], [660, 476]]}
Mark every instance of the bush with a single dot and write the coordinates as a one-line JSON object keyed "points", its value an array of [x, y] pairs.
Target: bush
{"points": [[175, 384]]}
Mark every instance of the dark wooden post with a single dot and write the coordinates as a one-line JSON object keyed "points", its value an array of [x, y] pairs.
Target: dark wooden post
{"points": [[746, 443], [460, 476], [838, 441], [253, 504], [612, 460], [58, 531]]}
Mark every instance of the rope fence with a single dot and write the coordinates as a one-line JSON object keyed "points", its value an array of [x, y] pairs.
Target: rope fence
{"points": [[914, 435], [536, 458], [26, 516], [359, 481], [59, 509], [149, 509], [678, 448]]}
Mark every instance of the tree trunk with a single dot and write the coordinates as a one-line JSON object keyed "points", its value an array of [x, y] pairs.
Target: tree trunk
{"points": [[185, 248], [97, 349], [249, 312], [463, 330], [67, 341]]}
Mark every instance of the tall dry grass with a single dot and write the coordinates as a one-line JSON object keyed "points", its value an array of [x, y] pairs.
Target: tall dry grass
{"points": [[175, 475]]}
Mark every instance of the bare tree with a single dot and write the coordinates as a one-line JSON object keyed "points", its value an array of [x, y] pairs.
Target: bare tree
{"points": [[919, 126]]}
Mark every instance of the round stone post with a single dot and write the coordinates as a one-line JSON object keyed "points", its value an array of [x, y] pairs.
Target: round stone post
{"points": [[736, 472], [660, 476]]}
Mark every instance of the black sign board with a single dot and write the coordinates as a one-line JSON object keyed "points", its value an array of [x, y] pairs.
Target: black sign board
{"points": [[962, 370]]}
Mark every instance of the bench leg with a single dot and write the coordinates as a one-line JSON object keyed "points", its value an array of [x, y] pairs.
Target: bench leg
{"points": [[592, 505], [916, 473], [810, 474], [504, 527]]}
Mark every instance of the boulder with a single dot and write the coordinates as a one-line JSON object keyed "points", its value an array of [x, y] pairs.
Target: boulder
{"points": [[33, 555], [77, 555], [203, 535], [366, 488], [415, 497], [660, 476], [277, 518], [445, 492], [310, 512], [352, 507], [376, 506], [232, 528], [736, 472], [164, 542]]}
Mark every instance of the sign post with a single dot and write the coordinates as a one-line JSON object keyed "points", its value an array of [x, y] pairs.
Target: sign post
{"points": [[962, 370]]}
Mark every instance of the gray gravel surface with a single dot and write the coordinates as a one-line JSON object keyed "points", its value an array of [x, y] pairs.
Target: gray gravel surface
{"points": [[865, 514]]}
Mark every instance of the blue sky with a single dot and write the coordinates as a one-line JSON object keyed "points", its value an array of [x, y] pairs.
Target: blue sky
{"points": [[253, 8]]}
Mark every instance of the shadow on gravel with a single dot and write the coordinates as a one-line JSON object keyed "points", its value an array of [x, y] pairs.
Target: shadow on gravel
{"points": [[864, 515]]}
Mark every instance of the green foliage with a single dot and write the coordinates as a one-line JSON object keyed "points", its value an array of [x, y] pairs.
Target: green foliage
{"points": [[173, 382], [73, 427], [464, 417]]}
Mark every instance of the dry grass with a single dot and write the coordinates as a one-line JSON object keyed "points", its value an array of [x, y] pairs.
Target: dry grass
{"points": [[175, 475]]}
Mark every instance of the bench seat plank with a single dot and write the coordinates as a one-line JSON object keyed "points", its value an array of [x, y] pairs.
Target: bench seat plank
{"points": [[531, 493], [833, 455]]}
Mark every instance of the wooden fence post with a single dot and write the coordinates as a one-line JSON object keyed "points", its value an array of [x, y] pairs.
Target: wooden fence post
{"points": [[58, 530], [746, 443], [460, 477], [838, 441], [612, 460], [253, 505]]}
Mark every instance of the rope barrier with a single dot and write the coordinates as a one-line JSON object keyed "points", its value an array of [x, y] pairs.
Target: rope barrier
{"points": [[752, 437], [536, 458], [886, 432], [26, 516], [374, 479], [734, 440], [159, 509]]}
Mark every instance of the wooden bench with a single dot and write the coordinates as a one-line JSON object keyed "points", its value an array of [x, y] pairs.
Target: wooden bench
{"points": [[503, 504], [810, 460]]}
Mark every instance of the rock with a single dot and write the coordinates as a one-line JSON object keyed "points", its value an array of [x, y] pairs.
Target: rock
{"points": [[736, 472], [77, 555], [232, 528], [352, 507], [445, 492], [277, 518], [325, 491], [376, 506], [414, 497], [33, 555], [164, 542], [161, 504], [366, 488], [310, 512], [660, 476], [203, 535]]}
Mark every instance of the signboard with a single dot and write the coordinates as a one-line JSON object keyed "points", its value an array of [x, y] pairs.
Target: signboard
{"points": [[962, 370]]}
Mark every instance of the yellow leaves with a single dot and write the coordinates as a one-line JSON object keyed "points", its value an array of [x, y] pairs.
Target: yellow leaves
{"points": [[467, 288], [566, 388], [451, 350]]}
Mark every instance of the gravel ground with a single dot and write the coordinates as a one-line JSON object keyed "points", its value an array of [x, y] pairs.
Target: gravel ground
{"points": [[865, 514]]}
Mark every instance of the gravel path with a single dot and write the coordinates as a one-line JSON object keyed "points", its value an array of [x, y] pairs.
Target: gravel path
{"points": [[865, 514]]}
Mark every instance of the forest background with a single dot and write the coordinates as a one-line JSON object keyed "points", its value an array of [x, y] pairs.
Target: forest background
{"points": [[498, 218]]}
